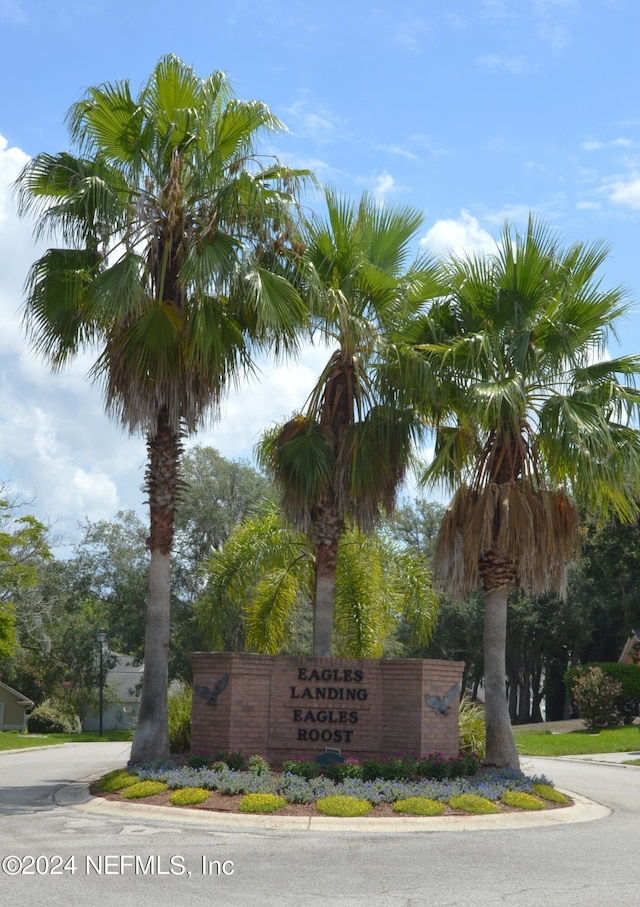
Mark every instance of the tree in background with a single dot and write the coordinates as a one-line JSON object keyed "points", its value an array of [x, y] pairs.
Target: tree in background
{"points": [[23, 549], [528, 410], [342, 458], [218, 494], [110, 567], [172, 230]]}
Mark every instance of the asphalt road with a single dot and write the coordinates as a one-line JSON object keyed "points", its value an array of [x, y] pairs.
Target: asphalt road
{"points": [[68, 854]]}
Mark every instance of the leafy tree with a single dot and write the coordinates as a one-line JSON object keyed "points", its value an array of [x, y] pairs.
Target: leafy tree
{"points": [[606, 582], [416, 525], [56, 656], [110, 567], [173, 230], [345, 455], [265, 572], [528, 409], [23, 548], [217, 495]]}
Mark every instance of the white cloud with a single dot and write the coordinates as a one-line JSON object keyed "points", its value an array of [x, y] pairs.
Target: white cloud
{"points": [[624, 192], [515, 214], [399, 151], [272, 397], [594, 145], [317, 124], [383, 185], [463, 236]]}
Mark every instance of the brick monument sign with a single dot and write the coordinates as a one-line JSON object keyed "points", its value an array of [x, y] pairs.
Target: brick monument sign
{"points": [[294, 707]]}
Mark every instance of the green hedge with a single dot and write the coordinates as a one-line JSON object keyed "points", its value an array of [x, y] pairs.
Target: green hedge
{"points": [[628, 702]]}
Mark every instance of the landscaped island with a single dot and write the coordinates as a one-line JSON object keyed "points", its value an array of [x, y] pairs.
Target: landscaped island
{"points": [[401, 785]]}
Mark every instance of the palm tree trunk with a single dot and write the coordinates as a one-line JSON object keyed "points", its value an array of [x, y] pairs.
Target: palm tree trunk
{"points": [[151, 738], [324, 600], [501, 747]]}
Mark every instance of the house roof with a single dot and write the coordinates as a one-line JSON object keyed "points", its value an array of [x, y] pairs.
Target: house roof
{"points": [[19, 696], [634, 638]]}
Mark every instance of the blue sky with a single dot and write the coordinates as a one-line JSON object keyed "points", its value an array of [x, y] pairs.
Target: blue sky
{"points": [[474, 111]]}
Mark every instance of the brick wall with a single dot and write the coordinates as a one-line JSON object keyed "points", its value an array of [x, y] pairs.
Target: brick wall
{"points": [[284, 707]]}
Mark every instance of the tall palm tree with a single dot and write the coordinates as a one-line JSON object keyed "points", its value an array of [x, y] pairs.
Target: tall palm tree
{"points": [[266, 568], [171, 227], [530, 415], [347, 452]]}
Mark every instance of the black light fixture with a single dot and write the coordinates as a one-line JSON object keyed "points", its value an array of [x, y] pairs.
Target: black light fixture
{"points": [[102, 641]]}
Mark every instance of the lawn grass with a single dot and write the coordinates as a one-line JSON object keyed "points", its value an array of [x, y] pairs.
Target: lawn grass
{"points": [[575, 743], [14, 740]]}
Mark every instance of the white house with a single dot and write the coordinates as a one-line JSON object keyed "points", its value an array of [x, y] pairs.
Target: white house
{"points": [[122, 697]]}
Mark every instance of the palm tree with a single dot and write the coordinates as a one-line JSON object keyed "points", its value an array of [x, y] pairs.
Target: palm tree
{"points": [[346, 454], [530, 414], [171, 226], [256, 581]]}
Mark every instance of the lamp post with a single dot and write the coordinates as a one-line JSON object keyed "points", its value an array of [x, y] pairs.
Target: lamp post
{"points": [[102, 640]]}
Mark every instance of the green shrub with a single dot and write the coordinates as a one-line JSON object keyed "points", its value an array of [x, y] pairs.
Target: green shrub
{"points": [[197, 760], [550, 793], [396, 768], [233, 760], [343, 806], [118, 779], [341, 771], [304, 769], [419, 806], [595, 693], [522, 800], [188, 796], [434, 768], [372, 769], [258, 765], [466, 764], [143, 789], [472, 803], [179, 702], [261, 803], [49, 718], [628, 700], [472, 727], [216, 761]]}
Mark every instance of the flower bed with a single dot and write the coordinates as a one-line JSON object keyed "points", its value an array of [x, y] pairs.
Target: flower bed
{"points": [[300, 794]]}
